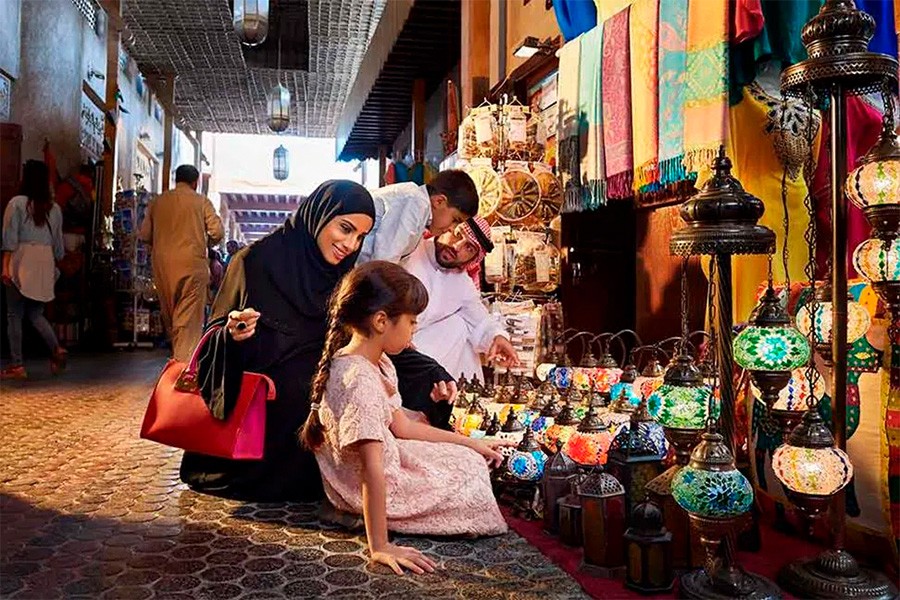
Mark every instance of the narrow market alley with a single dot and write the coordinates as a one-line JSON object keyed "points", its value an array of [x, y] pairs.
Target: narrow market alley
{"points": [[91, 510]]}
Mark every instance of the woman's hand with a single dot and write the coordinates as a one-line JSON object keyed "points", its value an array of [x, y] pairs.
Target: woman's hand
{"points": [[242, 324], [444, 391], [488, 449], [396, 557]]}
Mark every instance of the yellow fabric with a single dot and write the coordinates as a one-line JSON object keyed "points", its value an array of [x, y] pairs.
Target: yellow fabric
{"points": [[607, 8], [757, 167], [643, 25]]}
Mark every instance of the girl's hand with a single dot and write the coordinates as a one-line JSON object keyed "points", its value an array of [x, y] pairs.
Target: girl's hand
{"points": [[396, 557], [242, 324], [444, 391], [488, 449]]}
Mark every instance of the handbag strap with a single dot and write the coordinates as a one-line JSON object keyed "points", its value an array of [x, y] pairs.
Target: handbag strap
{"points": [[187, 381]]}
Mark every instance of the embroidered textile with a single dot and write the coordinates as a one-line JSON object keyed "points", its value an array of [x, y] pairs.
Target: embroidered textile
{"points": [[672, 72], [567, 104], [644, 93], [616, 90], [590, 117]]}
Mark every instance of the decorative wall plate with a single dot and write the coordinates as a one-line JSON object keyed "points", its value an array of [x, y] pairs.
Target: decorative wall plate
{"points": [[551, 196], [520, 197], [489, 187]]}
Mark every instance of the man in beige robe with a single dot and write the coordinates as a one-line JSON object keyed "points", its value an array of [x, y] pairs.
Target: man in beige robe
{"points": [[181, 225]]}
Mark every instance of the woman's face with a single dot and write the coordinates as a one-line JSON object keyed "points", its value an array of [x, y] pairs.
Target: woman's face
{"points": [[342, 236]]}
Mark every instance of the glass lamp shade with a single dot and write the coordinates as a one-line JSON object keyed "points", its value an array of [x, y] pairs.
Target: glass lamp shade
{"points": [[858, 321], [680, 407], [644, 386], [710, 485], [589, 443], [527, 461], [564, 425], [794, 396], [770, 348], [251, 21], [623, 387], [279, 109], [605, 377], [280, 166], [582, 377], [543, 370], [812, 471], [562, 377], [878, 260], [877, 181]]}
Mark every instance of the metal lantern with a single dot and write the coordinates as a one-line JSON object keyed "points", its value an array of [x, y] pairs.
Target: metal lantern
{"points": [[472, 419], [527, 461], [858, 321], [251, 21], [648, 551], [717, 498], [770, 347], [279, 109], [569, 508], [636, 454], [602, 524], [557, 483], [280, 166], [493, 426], [589, 443], [618, 415]]}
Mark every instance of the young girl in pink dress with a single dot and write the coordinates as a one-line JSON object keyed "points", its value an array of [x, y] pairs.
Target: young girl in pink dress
{"points": [[399, 473]]}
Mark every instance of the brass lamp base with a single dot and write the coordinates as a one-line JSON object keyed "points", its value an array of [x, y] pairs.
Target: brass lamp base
{"points": [[834, 574], [697, 584]]}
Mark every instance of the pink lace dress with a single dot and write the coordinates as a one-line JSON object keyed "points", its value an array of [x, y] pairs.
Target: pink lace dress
{"points": [[432, 488]]}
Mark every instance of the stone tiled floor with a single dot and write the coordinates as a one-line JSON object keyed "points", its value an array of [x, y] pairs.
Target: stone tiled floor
{"points": [[87, 509]]}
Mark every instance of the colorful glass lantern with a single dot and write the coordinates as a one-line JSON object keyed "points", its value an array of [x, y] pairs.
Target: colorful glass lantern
{"points": [[652, 376], [280, 165], [251, 21], [279, 109], [589, 443], [607, 372], [564, 425], [637, 452], [602, 524], [527, 462], [858, 321], [683, 400], [770, 347], [559, 472], [878, 260], [626, 385], [710, 485], [545, 419], [618, 415], [809, 465], [512, 430], [471, 420], [648, 551], [874, 186]]}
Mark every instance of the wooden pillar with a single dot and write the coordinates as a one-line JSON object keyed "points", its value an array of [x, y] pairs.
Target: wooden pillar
{"points": [[168, 132], [475, 53], [418, 120], [111, 102], [198, 149], [382, 164]]}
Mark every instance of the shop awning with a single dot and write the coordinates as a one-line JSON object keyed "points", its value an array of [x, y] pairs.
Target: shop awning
{"points": [[417, 39], [258, 214]]}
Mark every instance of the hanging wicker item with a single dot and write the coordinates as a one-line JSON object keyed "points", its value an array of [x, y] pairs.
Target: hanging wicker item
{"points": [[487, 182], [551, 195], [520, 197]]}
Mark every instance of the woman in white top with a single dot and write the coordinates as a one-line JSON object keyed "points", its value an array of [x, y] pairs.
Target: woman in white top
{"points": [[32, 243]]}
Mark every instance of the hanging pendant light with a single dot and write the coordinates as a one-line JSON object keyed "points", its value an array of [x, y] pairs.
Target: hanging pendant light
{"points": [[858, 321], [251, 21], [280, 166], [279, 109]]}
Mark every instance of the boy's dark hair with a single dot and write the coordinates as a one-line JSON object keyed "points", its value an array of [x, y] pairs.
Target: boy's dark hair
{"points": [[459, 189], [187, 174]]}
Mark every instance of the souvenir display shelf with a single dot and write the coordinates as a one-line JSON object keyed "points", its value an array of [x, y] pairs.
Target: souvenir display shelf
{"points": [[137, 308]]}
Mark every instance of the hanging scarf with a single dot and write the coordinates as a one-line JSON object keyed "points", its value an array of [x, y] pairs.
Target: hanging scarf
{"points": [[590, 111], [706, 89], [644, 93], [672, 72], [607, 8], [885, 40], [616, 88], [575, 17], [567, 104]]}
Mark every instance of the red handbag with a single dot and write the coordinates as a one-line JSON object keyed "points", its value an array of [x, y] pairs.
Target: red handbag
{"points": [[177, 415]]}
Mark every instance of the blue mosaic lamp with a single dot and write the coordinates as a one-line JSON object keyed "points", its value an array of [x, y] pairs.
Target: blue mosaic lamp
{"points": [[626, 386], [710, 485], [770, 347], [527, 462]]}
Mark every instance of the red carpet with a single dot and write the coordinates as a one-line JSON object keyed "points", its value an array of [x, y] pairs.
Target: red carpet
{"points": [[777, 549]]}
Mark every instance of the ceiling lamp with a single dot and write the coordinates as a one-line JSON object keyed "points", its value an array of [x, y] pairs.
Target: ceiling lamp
{"points": [[589, 443], [251, 21], [280, 166], [279, 109], [770, 348], [858, 321]]}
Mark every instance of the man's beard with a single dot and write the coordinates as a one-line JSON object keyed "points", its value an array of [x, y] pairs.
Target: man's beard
{"points": [[446, 257]]}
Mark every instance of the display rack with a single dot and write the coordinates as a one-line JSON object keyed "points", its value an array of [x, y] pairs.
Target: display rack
{"points": [[135, 306]]}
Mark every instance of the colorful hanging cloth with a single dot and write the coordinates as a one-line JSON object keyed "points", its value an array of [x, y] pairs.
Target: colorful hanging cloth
{"points": [[706, 88], [672, 72], [885, 40], [567, 105], [575, 17], [590, 117], [644, 25], [616, 90], [747, 20], [607, 8], [779, 40]]}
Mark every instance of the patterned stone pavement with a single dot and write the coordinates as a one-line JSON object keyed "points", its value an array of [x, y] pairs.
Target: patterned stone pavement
{"points": [[87, 509]]}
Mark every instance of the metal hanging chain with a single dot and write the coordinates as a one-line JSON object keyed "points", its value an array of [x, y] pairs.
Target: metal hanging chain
{"points": [[684, 303], [887, 97], [810, 236], [713, 341], [784, 209], [769, 260]]}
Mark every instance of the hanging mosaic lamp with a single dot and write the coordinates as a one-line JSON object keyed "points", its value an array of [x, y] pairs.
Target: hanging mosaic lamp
{"points": [[770, 347], [589, 443], [528, 460], [280, 166], [682, 401], [251, 21], [878, 261], [710, 485], [583, 375], [810, 466], [564, 425], [858, 321], [793, 400], [279, 109]]}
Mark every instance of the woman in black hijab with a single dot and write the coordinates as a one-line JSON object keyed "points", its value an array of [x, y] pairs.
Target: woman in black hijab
{"points": [[279, 289]]}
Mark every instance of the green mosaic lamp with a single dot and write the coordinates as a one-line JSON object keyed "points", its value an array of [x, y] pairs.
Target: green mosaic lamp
{"points": [[770, 347]]}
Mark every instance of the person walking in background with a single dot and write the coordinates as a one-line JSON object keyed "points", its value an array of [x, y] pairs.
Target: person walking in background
{"points": [[180, 226], [231, 249], [32, 243]]}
